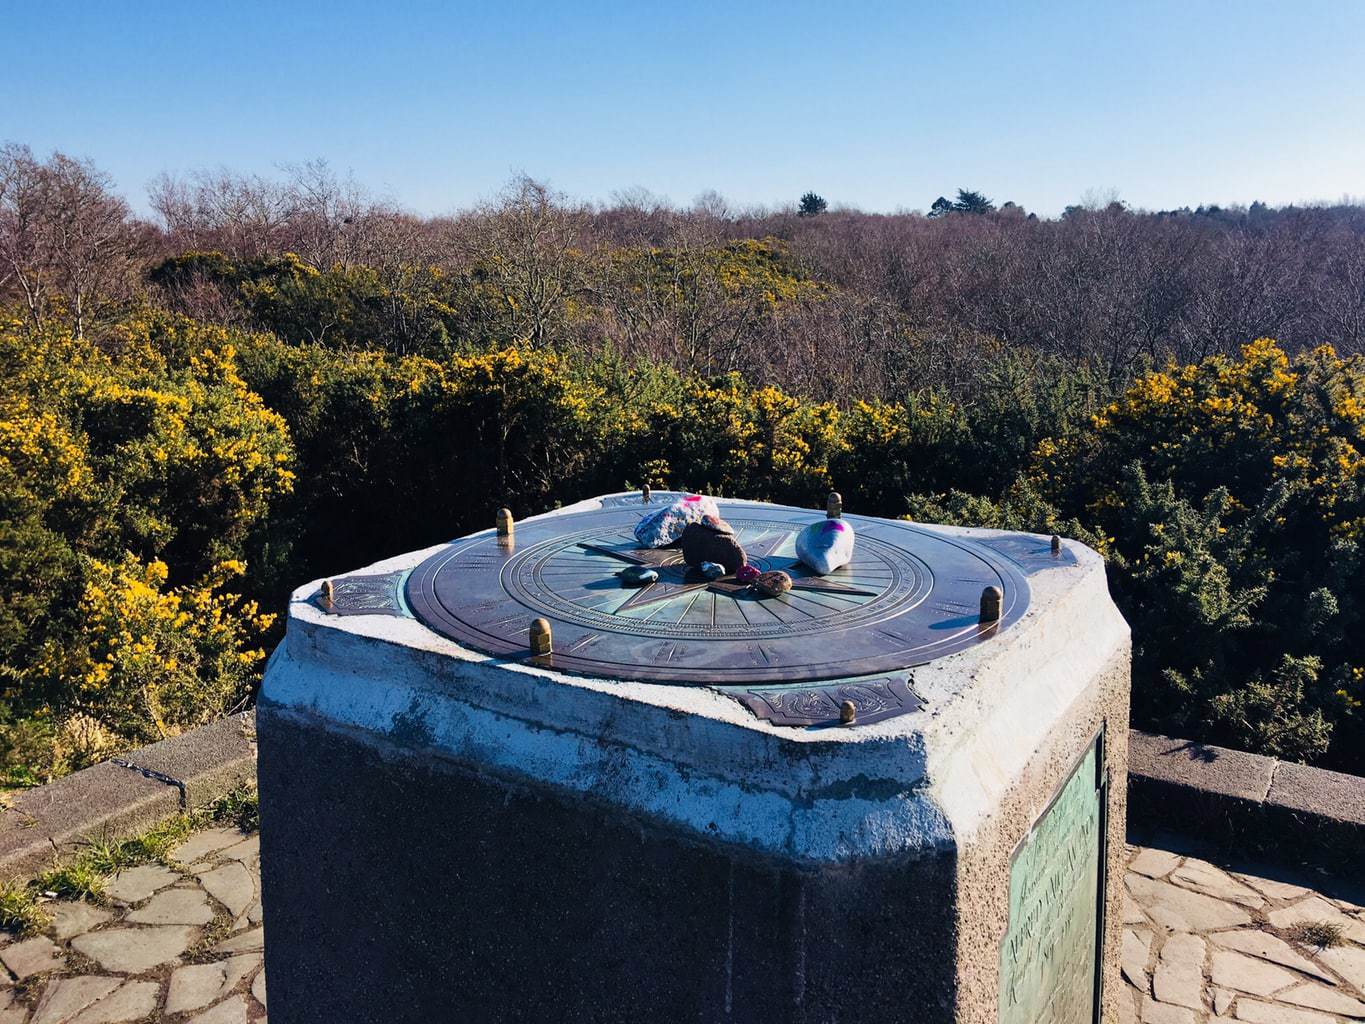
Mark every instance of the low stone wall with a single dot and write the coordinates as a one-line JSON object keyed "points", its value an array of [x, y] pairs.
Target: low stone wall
{"points": [[1247, 804], [126, 795]]}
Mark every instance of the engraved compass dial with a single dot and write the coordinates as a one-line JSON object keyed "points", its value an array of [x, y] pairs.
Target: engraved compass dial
{"points": [[910, 595]]}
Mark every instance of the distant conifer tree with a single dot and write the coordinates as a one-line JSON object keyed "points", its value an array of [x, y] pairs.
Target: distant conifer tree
{"points": [[812, 205], [972, 202]]}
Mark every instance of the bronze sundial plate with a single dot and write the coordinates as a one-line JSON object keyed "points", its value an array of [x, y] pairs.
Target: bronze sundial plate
{"points": [[909, 596]]}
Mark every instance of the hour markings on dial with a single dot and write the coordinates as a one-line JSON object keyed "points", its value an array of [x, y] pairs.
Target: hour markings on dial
{"points": [[903, 598], [759, 655], [582, 642]]}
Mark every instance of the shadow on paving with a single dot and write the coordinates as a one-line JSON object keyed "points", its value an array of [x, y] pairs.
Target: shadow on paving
{"points": [[1203, 942]]}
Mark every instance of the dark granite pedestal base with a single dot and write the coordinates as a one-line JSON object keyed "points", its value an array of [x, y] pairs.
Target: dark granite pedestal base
{"points": [[402, 889]]}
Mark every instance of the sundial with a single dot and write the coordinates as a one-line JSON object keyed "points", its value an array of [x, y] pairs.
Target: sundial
{"points": [[910, 595], [553, 704]]}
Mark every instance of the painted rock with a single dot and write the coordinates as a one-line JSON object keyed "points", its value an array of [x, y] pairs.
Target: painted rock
{"points": [[774, 582], [712, 540], [637, 576], [747, 573], [664, 527], [826, 545], [712, 570]]}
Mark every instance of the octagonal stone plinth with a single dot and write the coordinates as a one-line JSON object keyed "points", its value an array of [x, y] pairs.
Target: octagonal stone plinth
{"points": [[450, 834]]}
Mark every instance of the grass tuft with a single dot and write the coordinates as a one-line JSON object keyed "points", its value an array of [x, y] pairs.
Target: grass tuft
{"points": [[20, 912], [1317, 934], [83, 877], [241, 807], [75, 881]]}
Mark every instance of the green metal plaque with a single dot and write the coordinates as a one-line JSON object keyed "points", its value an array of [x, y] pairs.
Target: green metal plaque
{"points": [[1050, 956]]}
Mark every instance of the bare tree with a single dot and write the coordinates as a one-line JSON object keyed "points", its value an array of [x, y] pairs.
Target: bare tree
{"points": [[22, 246], [63, 233], [241, 215], [532, 247], [89, 233]]}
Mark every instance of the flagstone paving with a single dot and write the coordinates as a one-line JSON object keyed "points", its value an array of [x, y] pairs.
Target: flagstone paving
{"points": [[1201, 945], [175, 945]]}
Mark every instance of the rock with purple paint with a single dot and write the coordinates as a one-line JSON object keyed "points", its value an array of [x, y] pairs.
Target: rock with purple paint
{"points": [[826, 545], [664, 527]]}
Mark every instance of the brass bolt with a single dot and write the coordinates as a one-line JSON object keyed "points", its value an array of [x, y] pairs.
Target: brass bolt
{"points": [[848, 712], [328, 593], [540, 636], [644, 492], [506, 524], [1056, 545], [991, 600], [834, 507]]}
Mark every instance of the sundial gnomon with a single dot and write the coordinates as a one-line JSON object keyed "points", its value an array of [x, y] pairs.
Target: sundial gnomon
{"points": [[909, 595]]}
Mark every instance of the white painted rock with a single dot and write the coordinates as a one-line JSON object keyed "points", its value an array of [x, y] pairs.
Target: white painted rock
{"points": [[664, 527], [826, 545]]}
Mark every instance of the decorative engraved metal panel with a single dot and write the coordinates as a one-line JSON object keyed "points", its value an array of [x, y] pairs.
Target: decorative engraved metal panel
{"points": [[377, 594], [910, 595], [1050, 956], [872, 699], [657, 499], [1032, 554]]}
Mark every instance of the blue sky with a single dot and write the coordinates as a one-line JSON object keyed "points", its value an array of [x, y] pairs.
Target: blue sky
{"points": [[881, 106]]}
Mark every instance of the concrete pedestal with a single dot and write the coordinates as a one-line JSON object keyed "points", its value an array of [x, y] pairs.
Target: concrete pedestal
{"points": [[448, 836]]}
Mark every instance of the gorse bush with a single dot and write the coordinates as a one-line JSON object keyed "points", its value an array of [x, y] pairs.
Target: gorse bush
{"points": [[163, 487], [131, 485], [1232, 490]]}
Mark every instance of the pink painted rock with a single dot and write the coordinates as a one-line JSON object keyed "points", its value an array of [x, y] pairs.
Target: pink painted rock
{"points": [[664, 527], [747, 573]]}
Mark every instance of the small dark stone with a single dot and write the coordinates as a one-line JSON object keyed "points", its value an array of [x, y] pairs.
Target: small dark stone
{"points": [[712, 542], [637, 576], [773, 583]]}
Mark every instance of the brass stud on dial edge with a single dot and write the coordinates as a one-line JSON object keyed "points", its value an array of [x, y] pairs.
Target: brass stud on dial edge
{"points": [[506, 524], [848, 712], [540, 636], [834, 505], [992, 598]]}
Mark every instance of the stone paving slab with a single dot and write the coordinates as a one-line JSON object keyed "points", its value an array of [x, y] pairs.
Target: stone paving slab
{"points": [[1202, 944], [176, 945], [1205, 945]]}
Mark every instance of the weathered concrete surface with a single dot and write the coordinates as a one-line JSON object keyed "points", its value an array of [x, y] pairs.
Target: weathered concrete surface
{"points": [[619, 851], [1319, 792], [624, 921], [109, 800], [1201, 767]]}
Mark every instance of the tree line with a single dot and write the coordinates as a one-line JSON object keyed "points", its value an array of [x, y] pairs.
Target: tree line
{"points": [[846, 304]]}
